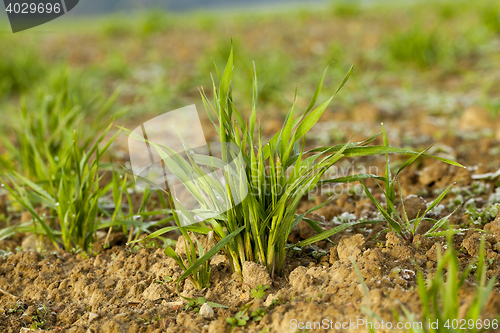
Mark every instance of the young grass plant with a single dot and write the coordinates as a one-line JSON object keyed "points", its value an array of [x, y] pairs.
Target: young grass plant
{"points": [[440, 298], [44, 136], [404, 226], [441, 301], [67, 208], [274, 176]]}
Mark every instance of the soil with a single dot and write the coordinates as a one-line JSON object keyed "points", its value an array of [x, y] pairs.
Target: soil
{"points": [[119, 290]]}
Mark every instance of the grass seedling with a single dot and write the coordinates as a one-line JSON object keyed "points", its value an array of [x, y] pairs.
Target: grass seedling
{"points": [[404, 226], [265, 188], [44, 138], [259, 291], [69, 201], [242, 317], [441, 301], [440, 298]]}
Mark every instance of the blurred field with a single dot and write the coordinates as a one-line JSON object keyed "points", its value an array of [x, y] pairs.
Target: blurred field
{"points": [[411, 60]]}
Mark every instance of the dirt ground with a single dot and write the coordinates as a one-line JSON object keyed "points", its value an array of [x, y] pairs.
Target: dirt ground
{"points": [[119, 290]]}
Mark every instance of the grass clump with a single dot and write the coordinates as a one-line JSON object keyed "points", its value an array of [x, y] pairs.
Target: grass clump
{"points": [[423, 49], [346, 8], [71, 198], [442, 309], [44, 138], [490, 15], [400, 223], [441, 299], [269, 182], [19, 70]]}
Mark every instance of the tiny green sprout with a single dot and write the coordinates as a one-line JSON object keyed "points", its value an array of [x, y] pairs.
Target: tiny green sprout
{"points": [[240, 319], [275, 302], [259, 291], [318, 254], [164, 280], [14, 308], [195, 304], [258, 314]]}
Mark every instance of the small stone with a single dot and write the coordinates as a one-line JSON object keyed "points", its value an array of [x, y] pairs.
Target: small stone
{"points": [[206, 311], [361, 289], [93, 316], [218, 326], [32, 243], [432, 253], [497, 247], [433, 173], [108, 283], [121, 316], [206, 241], [218, 259], [98, 261], [392, 240], [155, 291]]}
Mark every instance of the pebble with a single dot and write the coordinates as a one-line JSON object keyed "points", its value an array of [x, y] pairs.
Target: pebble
{"points": [[92, 316], [206, 311]]}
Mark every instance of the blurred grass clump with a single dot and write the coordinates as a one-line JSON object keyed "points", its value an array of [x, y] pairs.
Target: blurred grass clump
{"points": [[346, 8], [21, 69], [43, 137]]}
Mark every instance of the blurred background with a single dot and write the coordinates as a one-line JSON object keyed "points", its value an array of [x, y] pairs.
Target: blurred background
{"points": [[428, 69]]}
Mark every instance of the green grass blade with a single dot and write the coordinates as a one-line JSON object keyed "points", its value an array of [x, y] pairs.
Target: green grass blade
{"points": [[210, 253]]}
